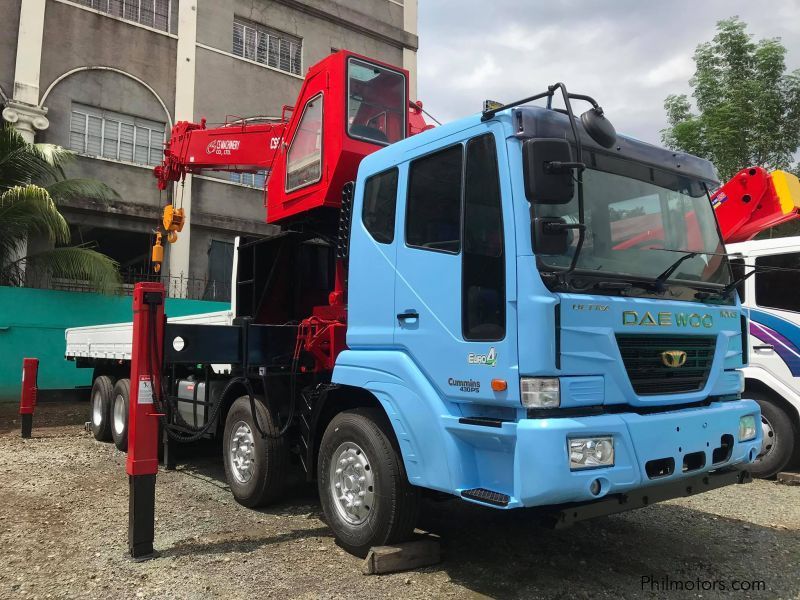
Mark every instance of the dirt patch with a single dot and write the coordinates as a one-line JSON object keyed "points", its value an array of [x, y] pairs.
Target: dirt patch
{"points": [[63, 527]]}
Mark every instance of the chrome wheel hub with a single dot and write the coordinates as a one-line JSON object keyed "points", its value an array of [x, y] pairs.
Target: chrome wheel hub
{"points": [[768, 437], [242, 452], [119, 414], [352, 483], [97, 410]]}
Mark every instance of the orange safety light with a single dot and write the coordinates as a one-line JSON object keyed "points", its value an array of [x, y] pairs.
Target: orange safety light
{"points": [[499, 385]]}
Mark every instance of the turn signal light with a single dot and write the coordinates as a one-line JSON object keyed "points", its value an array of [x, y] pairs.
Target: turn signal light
{"points": [[499, 385]]}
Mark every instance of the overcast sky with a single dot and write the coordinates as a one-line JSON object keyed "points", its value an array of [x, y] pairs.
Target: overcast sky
{"points": [[627, 54]]}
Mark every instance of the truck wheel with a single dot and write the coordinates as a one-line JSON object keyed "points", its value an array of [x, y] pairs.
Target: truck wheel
{"points": [[363, 486], [102, 389], [779, 438], [119, 413], [255, 467]]}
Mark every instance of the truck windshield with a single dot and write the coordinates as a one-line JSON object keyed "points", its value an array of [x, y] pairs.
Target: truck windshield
{"points": [[640, 229]]}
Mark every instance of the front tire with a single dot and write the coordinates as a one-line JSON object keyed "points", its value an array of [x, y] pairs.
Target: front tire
{"points": [[363, 486], [779, 438], [255, 467], [119, 413], [102, 389]]}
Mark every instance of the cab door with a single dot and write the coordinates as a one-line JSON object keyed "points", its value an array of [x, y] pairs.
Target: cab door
{"points": [[451, 289]]}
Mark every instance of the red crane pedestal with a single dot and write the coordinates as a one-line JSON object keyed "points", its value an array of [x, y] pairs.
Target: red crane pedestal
{"points": [[27, 400], [143, 418]]}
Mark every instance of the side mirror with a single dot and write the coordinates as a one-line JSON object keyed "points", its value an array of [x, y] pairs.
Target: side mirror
{"points": [[551, 235], [548, 170], [599, 128]]}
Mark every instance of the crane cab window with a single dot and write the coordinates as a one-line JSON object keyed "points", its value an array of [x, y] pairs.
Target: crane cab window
{"points": [[376, 103], [304, 159]]}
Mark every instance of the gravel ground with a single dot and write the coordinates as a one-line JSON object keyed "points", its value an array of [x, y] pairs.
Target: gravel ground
{"points": [[63, 520]]}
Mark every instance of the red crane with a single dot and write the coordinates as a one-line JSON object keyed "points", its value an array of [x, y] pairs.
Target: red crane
{"points": [[754, 200], [349, 106]]}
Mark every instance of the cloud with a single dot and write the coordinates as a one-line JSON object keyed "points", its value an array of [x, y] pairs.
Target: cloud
{"points": [[627, 54]]}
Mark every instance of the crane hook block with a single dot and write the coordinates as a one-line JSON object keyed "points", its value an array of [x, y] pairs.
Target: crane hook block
{"points": [[173, 220], [157, 256]]}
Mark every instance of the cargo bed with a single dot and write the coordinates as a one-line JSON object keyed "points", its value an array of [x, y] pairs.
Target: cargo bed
{"points": [[114, 341]]}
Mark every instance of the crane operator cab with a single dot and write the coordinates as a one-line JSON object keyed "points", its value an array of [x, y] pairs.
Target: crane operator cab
{"points": [[348, 107]]}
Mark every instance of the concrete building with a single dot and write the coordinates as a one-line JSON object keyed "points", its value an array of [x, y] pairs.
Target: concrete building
{"points": [[108, 78]]}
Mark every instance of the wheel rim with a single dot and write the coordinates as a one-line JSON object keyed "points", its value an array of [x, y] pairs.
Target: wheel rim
{"points": [[241, 452], [97, 409], [768, 438], [352, 483], [119, 414]]}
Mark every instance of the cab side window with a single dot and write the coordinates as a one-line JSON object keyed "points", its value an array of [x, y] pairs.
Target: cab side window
{"points": [[433, 207], [380, 200], [773, 288], [483, 277]]}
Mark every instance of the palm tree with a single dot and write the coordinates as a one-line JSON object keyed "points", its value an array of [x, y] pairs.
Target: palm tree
{"points": [[32, 183]]}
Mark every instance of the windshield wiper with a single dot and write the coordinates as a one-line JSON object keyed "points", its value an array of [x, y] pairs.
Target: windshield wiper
{"points": [[662, 278]]}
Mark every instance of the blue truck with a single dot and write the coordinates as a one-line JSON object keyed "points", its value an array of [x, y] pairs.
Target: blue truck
{"points": [[510, 339]]}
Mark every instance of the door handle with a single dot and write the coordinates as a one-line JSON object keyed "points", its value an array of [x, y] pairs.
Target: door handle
{"points": [[764, 348], [408, 315]]}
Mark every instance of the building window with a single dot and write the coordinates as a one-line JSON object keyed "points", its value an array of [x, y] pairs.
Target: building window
{"points": [[254, 180], [267, 46], [97, 132], [157, 14]]}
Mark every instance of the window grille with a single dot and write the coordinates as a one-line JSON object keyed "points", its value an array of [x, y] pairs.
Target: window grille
{"points": [[97, 132], [254, 180], [157, 14], [267, 46]]}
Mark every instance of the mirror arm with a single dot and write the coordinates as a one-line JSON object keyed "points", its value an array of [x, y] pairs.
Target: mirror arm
{"points": [[563, 226], [579, 156], [557, 166]]}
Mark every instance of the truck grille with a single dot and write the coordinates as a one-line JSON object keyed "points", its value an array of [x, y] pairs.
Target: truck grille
{"points": [[641, 355]]}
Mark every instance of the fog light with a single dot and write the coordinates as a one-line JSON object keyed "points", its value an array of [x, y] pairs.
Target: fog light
{"points": [[540, 392], [595, 487], [587, 453], [747, 428]]}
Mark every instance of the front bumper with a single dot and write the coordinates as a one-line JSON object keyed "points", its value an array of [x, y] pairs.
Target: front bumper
{"points": [[567, 514], [527, 463]]}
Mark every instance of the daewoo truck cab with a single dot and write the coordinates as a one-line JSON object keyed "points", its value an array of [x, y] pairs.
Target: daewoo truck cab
{"points": [[510, 379], [518, 309]]}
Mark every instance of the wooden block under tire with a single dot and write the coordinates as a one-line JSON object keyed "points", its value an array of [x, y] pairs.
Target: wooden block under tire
{"points": [[402, 557], [789, 478]]}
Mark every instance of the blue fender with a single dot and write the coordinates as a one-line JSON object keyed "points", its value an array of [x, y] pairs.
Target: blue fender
{"points": [[415, 411]]}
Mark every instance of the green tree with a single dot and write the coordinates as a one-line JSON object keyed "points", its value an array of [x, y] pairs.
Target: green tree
{"points": [[32, 182], [747, 105]]}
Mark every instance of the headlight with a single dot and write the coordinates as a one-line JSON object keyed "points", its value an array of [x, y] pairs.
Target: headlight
{"points": [[540, 392], [747, 428], [586, 453]]}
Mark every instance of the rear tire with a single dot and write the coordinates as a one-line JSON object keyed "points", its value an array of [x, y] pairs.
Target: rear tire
{"points": [[102, 389], [255, 467], [119, 413], [779, 438], [363, 486]]}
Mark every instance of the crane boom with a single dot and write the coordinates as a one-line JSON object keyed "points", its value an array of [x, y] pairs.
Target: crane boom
{"points": [[754, 200], [242, 147]]}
